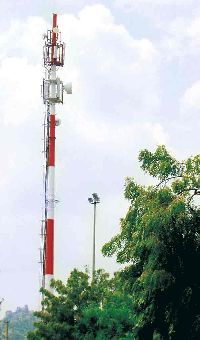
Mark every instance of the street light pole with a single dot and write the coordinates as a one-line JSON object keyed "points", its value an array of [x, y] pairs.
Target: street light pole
{"points": [[94, 200], [94, 241], [6, 330]]}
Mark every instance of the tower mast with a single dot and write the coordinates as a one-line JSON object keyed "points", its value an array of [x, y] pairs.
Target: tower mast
{"points": [[53, 54]]}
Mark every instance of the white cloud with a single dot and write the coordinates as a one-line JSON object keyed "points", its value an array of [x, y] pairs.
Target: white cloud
{"points": [[182, 38], [193, 29], [185, 128], [19, 89], [147, 5], [191, 98], [117, 137], [115, 75], [23, 38], [190, 109]]}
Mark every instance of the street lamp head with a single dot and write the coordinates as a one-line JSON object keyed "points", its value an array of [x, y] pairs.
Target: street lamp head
{"points": [[96, 198]]}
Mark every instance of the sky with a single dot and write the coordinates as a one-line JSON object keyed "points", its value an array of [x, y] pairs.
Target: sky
{"points": [[135, 69]]}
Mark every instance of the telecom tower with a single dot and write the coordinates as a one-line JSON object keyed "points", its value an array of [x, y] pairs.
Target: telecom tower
{"points": [[52, 91]]}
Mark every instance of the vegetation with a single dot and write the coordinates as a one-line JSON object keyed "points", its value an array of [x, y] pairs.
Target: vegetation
{"points": [[80, 310], [160, 240], [156, 295], [20, 323]]}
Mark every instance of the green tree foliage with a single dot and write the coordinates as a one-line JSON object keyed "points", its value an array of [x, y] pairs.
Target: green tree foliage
{"points": [[83, 310], [20, 323], [159, 242]]}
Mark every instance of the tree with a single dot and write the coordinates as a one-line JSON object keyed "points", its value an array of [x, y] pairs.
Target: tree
{"points": [[159, 241], [83, 310]]}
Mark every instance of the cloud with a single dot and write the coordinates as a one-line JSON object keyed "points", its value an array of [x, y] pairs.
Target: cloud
{"points": [[184, 127], [191, 98], [190, 108], [147, 6], [19, 89], [182, 38], [116, 75]]}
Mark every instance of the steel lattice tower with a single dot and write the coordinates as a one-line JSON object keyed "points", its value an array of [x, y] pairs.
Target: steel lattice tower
{"points": [[53, 89]]}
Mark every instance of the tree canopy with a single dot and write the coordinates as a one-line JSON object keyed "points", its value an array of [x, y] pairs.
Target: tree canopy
{"points": [[83, 310], [160, 241]]}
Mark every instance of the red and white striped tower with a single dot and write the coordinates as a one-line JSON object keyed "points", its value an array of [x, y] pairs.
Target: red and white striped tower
{"points": [[52, 94]]}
